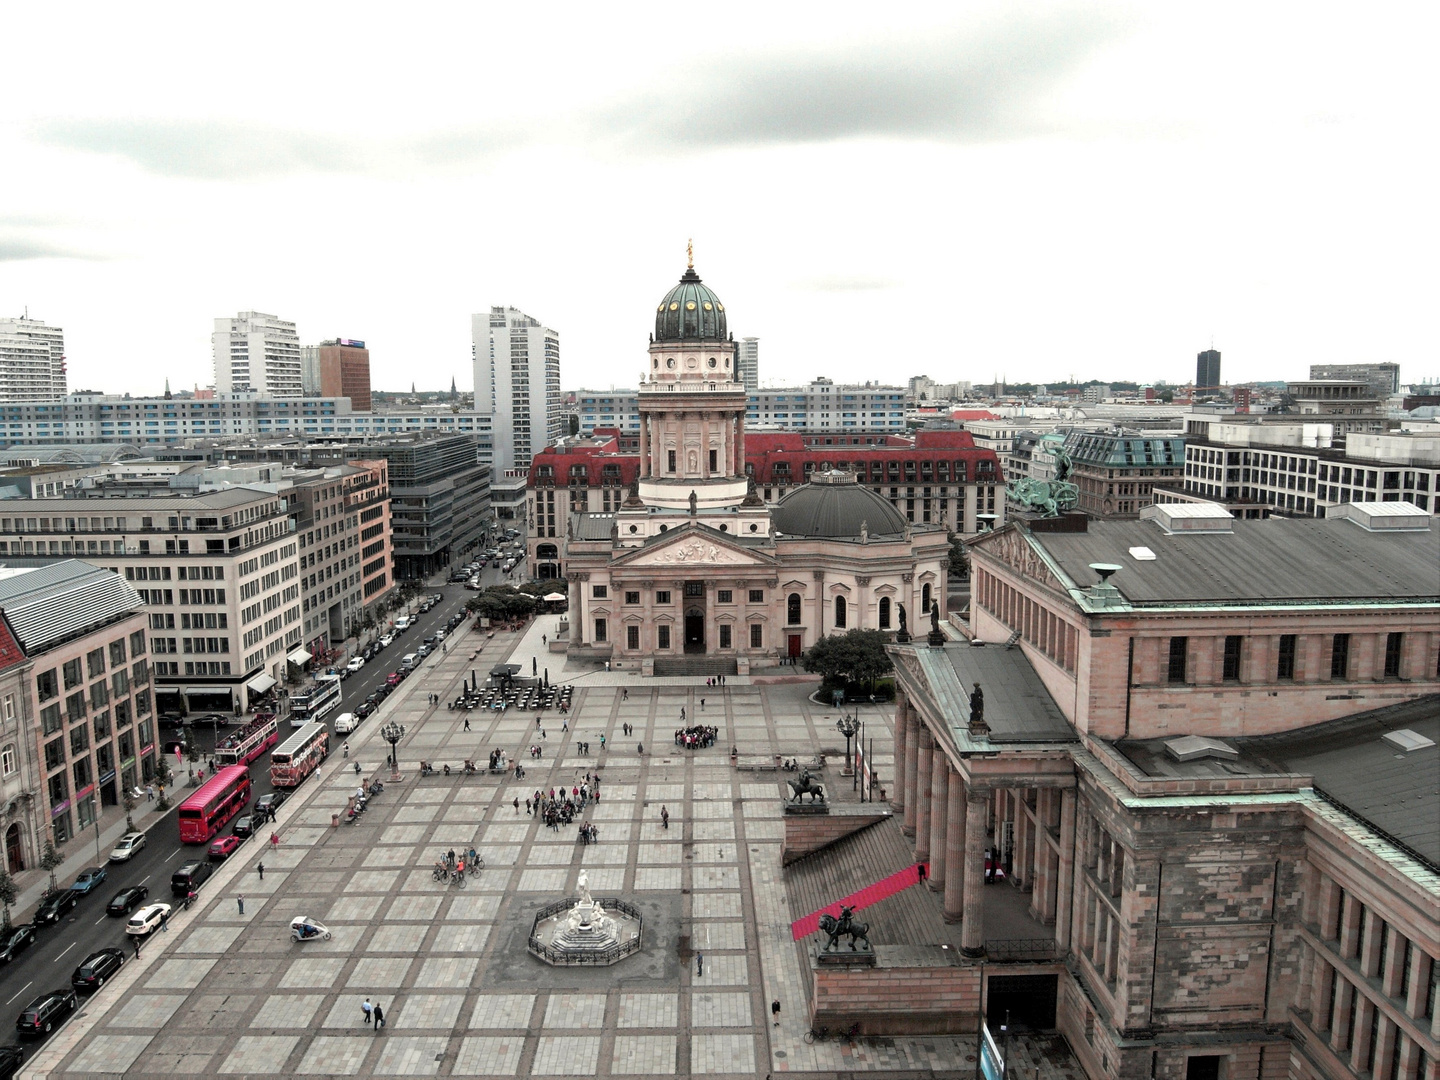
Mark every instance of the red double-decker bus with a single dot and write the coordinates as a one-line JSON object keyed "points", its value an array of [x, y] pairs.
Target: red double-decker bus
{"points": [[247, 744], [219, 799]]}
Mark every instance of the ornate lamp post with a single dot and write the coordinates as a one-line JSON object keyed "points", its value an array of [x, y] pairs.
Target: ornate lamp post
{"points": [[393, 733], [848, 726]]}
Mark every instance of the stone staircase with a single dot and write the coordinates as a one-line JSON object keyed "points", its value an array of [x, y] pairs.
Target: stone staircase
{"points": [[695, 665]]}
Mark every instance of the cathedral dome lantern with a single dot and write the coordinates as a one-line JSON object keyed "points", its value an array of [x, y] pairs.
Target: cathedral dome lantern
{"points": [[690, 312]]}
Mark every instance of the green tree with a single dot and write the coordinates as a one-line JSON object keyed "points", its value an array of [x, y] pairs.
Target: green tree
{"points": [[129, 811], [163, 779], [192, 755], [959, 559], [8, 894], [856, 657], [50, 861]]}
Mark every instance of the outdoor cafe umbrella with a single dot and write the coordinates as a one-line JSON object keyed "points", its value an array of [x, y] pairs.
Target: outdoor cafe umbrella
{"points": [[554, 597]]}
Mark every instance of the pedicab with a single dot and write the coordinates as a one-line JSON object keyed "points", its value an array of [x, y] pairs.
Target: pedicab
{"points": [[304, 928]]}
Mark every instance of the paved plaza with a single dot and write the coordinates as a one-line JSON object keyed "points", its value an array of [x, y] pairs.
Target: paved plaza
{"points": [[228, 993]]}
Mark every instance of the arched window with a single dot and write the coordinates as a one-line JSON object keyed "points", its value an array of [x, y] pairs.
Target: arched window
{"points": [[792, 609], [925, 599], [884, 613], [839, 611]]}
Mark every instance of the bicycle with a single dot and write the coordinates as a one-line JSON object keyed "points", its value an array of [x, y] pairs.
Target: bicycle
{"points": [[439, 872], [474, 866], [457, 878], [824, 1034]]}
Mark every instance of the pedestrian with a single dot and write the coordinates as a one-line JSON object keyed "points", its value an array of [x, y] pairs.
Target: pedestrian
{"points": [[365, 1008], [527, 807], [543, 640], [347, 749], [699, 963], [149, 797], [274, 841], [261, 867], [602, 740], [165, 919], [517, 804], [664, 818], [775, 1011], [640, 749], [239, 902], [564, 725], [682, 713], [137, 948], [467, 723], [702, 704], [624, 693], [379, 1018], [920, 873]]}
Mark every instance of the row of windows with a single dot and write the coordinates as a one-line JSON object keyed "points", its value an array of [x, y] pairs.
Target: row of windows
{"points": [[1178, 666]]}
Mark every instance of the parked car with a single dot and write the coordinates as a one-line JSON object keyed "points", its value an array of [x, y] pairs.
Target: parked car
{"points": [[270, 800], [393, 679], [96, 968], [147, 919], [345, 723], [224, 847], [55, 907], [387, 640], [15, 942], [355, 664], [126, 847], [364, 709], [87, 880], [214, 719], [189, 877], [46, 1013], [244, 826], [11, 1058], [423, 651], [127, 900]]}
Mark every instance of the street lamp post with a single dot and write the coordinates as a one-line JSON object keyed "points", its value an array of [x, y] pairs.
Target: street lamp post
{"points": [[392, 733], [848, 726]]}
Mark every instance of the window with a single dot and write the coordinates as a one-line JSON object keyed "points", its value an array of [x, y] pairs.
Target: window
{"points": [[662, 596], [1230, 669], [725, 635], [1179, 647], [632, 597], [694, 588], [47, 685], [599, 592], [757, 636], [9, 762], [714, 460], [1340, 657], [1203, 1067], [632, 636], [1393, 644], [792, 609], [1285, 669], [95, 661], [662, 637], [884, 613], [670, 460], [925, 600], [840, 611], [724, 596], [757, 596], [74, 673], [600, 630], [117, 653]]}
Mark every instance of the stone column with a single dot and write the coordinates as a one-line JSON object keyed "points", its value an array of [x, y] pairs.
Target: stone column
{"points": [[972, 938], [955, 869], [705, 446], [644, 445], [1041, 908], [912, 751], [740, 444], [923, 777], [1065, 885], [939, 819], [897, 787]]}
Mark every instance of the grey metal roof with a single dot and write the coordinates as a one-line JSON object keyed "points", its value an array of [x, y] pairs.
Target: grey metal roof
{"points": [[592, 526], [55, 602], [1263, 562], [1018, 708], [223, 499], [835, 510]]}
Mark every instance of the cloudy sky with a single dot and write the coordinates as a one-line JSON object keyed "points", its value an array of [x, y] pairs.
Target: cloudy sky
{"points": [[875, 190]]}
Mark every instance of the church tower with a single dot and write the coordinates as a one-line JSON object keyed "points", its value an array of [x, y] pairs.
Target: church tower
{"points": [[692, 405]]}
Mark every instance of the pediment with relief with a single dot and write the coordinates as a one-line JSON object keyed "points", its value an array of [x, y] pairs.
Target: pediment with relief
{"points": [[1015, 551], [692, 551]]}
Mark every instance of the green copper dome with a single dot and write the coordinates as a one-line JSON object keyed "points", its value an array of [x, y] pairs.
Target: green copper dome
{"points": [[690, 312]]}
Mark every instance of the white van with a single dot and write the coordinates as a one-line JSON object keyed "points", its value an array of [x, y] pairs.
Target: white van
{"points": [[402, 623], [345, 723], [409, 662]]}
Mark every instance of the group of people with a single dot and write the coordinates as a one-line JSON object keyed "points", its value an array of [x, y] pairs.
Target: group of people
{"points": [[561, 807], [536, 752], [589, 834], [696, 737], [497, 760]]}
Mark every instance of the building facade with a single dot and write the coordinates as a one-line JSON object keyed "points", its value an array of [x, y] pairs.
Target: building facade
{"points": [[337, 369], [517, 384], [1383, 379], [257, 352], [218, 574], [32, 361], [76, 701], [747, 363], [1116, 472], [1349, 405], [1207, 370], [825, 406]]}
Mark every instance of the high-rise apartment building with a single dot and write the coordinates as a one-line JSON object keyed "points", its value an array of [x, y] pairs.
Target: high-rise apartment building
{"points": [[517, 384], [32, 360], [747, 363], [1384, 379], [337, 368], [1207, 370], [259, 353]]}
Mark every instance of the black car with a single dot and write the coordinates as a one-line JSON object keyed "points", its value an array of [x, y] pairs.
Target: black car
{"points": [[55, 907], [213, 719], [244, 826], [127, 900], [16, 941], [190, 877], [11, 1058], [363, 710], [45, 1014], [96, 968], [269, 801]]}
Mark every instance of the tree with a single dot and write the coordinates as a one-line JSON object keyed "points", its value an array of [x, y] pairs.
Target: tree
{"points": [[959, 559], [129, 811], [8, 894], [857, 657], [192, 755], [573, 424], [163, 777], [50, 861]]}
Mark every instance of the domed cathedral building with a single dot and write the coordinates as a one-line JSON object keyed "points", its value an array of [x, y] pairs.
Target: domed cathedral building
{"points": [[694, 573]]}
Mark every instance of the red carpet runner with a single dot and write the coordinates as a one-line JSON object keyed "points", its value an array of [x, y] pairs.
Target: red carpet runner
{"points": [[871, 894]]}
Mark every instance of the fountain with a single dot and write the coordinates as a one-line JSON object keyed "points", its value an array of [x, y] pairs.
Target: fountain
{"points": [[584, 931]]}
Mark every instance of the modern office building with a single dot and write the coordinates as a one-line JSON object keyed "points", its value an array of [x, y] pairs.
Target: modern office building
{"points": [[77, 711], [747, 363], [258, 353], [218, 574], [1383, 379], [337, 369], [825, 406], [517, 384], [1348, 404], [32, 361], [1207, 370]]}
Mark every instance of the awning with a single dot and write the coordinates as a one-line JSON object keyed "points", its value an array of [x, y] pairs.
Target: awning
{"points": [[260, 683], [554, 597], [300, 657]]}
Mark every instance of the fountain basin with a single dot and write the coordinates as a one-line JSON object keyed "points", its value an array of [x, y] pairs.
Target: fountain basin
{"points": [[581, 931]]}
